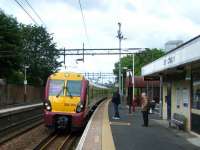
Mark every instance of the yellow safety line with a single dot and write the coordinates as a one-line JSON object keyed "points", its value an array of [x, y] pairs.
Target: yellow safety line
{"points": [[60, 147], [85, 133], [49, 141], [107, 138]]}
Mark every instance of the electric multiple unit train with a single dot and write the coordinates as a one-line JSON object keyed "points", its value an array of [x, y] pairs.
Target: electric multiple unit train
{"points": [[69, 98]]}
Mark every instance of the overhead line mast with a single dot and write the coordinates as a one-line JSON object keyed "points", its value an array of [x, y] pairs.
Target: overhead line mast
{"points": [[120, 37]]}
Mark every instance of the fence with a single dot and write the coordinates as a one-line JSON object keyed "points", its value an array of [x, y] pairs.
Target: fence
{"points": [[11, 94]]}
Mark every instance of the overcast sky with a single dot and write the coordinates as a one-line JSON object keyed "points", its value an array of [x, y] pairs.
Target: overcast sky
{"points": [[145, 23]]}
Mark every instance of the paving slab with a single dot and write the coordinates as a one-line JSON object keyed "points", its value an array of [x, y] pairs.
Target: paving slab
{"points": [[129, 134], [97, 134]]}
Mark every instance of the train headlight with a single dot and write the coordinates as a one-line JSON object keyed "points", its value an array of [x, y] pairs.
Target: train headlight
{"points": [[79, 107], [48, 108], [47, 105]]}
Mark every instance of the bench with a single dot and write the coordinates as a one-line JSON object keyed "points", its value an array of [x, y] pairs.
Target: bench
{"points": [[179, 120]]}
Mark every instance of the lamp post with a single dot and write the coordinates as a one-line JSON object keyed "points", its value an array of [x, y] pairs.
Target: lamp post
{"points": [[124, 68], [129, 91], [120, 37], [25, 83], [119, 71]]}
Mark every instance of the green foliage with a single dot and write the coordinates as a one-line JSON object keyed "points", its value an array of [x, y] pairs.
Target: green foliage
{"points": [[40, 53], [140, 60], [10, 45], [22, 45]]}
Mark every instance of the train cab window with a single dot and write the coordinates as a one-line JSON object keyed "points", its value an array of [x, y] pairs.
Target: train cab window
{"points": [[73, 88], [56, 87]]}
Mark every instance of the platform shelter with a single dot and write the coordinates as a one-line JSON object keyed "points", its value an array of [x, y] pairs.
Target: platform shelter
{"points": [[179, 73]]}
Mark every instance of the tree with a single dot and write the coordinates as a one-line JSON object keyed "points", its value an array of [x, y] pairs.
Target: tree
{"points": [[40, 53], [141, 59], [22, 45], [10, 47]]}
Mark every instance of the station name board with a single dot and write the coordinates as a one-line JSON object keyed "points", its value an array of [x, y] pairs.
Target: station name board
{"points": [[186, 54], [169, 60]]}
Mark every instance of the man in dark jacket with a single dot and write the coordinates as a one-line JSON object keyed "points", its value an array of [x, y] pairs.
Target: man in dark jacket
{"points": [[116, 102]]}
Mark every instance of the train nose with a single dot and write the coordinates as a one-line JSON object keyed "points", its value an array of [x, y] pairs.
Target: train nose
{"points": [[62, 122]]}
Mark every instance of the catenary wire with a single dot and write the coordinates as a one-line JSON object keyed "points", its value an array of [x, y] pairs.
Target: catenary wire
{"points": [[26, 11], [35, 12], [84, 22]]}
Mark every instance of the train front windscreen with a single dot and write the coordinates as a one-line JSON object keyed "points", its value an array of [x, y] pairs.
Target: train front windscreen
{"points": [[73, 88], [56, 87], [64, 95]]}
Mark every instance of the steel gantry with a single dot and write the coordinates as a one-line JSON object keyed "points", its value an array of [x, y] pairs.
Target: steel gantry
{"points": [[100, 77], [100, 51]]}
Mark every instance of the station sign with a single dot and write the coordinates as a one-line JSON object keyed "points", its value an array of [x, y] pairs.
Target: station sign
{"points": [[188, 53]]}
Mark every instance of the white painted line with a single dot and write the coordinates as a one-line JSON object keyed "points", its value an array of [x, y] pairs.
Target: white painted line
{"points": [[7, 110], [196, 134], [120, 123], [194, 141], [83, 137]]}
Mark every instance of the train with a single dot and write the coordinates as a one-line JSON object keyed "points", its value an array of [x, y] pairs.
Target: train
{"points": [[69, 99]]}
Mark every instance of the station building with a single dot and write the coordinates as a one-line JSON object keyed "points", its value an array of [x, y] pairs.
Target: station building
{"points": [[179, 73]]}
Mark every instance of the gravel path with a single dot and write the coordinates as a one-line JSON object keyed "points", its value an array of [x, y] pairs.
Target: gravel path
{"points": [[28, 140]]}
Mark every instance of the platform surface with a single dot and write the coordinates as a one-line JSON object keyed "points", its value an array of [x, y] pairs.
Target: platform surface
{"points": [[7, 110], [98, 135], [129, 134]]}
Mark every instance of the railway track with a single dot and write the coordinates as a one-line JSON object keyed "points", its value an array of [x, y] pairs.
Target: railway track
{"points": [[15, 121], [58, 141], [19, 128]]}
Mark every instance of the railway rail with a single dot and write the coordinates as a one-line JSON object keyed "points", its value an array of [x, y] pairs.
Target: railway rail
{"points": [[62, 140], [20, 128], [58, 141], [15, 123]]}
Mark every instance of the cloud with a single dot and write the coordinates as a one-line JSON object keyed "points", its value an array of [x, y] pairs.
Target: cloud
{"points": [[86, 4], [145, 24]]}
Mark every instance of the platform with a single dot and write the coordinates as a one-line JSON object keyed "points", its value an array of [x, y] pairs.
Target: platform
{"points": [[15, 120], [129, 134], [97, 134], [102, 132], [18, 108]]}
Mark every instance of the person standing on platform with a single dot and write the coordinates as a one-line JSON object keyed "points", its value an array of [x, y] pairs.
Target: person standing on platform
{"points": [[145, 105], [116, 102]]}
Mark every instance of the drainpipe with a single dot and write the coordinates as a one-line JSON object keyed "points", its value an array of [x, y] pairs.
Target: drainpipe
{"points": [[161, 95]]}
